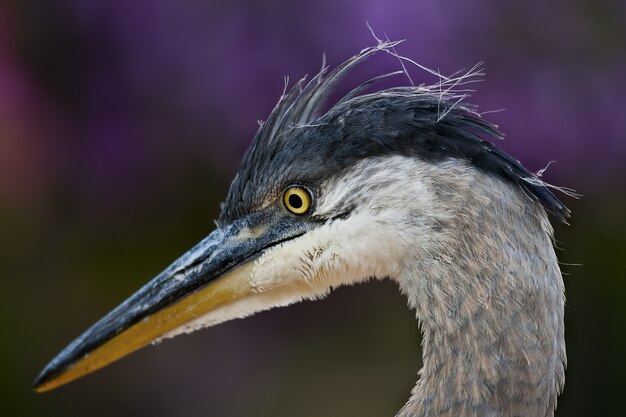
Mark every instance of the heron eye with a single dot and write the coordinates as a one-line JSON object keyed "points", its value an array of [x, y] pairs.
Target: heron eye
{"points": [[297, 199]]}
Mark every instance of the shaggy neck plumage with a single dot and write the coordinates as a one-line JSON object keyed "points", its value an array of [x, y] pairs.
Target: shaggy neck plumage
{"points": [[489, 299]]}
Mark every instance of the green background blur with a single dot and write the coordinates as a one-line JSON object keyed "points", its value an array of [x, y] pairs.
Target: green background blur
{"points": [[122, 124]]}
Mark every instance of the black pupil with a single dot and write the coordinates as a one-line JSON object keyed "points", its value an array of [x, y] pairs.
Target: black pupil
{"points": [[295, 201]]}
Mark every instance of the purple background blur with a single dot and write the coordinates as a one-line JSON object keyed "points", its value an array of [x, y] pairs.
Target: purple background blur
{"points": [[122, 123]]}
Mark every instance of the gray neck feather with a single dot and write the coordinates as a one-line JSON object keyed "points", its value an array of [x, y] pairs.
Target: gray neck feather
{"points": [[490, 300]]}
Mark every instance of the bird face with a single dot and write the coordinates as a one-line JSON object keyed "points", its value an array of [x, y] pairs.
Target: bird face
{"points": [[298, 245]]}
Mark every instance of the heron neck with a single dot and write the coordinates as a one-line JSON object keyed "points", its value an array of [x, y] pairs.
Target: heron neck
{"points": [[490, 306]]}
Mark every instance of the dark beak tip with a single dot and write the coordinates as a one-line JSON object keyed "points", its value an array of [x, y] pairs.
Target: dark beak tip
{"points": [[38, 383], [41, 379], [47, 375]]}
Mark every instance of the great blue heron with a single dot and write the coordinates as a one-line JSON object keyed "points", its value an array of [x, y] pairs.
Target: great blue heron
{"points": [[400, 184]]}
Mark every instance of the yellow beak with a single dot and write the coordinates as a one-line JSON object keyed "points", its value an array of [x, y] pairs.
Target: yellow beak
{"points": [[233, 285], [213, 274]]}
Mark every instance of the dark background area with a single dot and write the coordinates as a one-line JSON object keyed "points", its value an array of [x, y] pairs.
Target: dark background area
{"points": [[122, 123]]}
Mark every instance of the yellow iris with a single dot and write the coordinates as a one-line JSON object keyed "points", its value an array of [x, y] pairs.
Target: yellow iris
{"points": [[297, 199]]}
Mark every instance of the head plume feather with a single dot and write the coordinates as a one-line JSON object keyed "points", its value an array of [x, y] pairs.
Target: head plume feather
{"points": [[432, 122]]}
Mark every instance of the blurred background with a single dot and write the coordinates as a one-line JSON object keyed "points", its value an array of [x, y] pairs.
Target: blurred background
{"points": [[122, 123]]}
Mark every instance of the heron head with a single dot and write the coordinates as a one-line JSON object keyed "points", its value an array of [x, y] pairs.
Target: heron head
{"points": [[319, 201]]}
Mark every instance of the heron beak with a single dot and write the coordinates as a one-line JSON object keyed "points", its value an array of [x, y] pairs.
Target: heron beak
{"points": [[213, 274]]}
